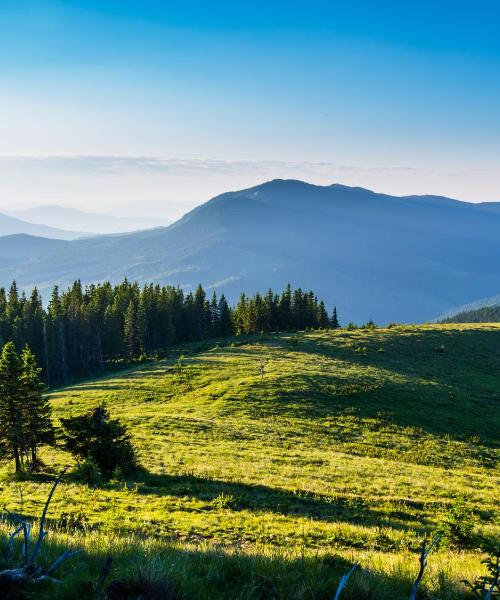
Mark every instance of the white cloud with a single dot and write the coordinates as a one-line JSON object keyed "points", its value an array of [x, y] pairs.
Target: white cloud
{"points": [[168, 187]]}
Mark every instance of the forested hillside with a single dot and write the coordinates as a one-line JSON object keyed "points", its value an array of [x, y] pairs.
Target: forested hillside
{"points": [[83, 331], [486, 314]]}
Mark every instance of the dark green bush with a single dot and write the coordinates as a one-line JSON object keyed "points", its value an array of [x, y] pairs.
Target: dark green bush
{"points": [[457, 525], [97, 438], [88, 472]]}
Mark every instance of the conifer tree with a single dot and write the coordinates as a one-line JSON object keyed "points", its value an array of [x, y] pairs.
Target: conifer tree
{"points": [[322, 316], [285, 310], [225, 320], [199, 314], [12, 442], [334, 322], [142, 329], [130, 330], [36, 413], [215, 328], [240, 314], [13, 303], [271, 310]]}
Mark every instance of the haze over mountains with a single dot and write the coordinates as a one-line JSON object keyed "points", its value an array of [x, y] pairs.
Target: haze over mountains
{"points": [[405, 259], [63, 217], [12, 225]]}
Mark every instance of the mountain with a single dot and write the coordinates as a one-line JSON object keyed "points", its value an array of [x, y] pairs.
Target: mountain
{"points": [[10, 225], [15, 250], [24, 246], [477, 305], [376, 256], [72, 218], [485, 314]]}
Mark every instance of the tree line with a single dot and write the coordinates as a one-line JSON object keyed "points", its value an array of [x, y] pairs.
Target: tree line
{"points": [[85, 329]]}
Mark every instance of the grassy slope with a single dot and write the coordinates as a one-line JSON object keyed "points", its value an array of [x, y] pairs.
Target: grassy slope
{"points": [[351, 443]]}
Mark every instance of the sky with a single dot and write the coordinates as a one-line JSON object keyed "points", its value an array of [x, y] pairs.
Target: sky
{"points": [[150, 108]]}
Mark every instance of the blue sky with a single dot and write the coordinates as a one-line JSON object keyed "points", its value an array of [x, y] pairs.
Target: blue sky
{"points": [[196, 98]]}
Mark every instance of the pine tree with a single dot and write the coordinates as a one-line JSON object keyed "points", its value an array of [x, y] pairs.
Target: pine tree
{"points": [[36, 411], [130, 331], [13, 303], [285, 310], [334, 322], [225, 319], [240, 315], [215, 328], [57, 338], [271, 302], [322, 316], [12, 443], [199, 314], [142, 329]]}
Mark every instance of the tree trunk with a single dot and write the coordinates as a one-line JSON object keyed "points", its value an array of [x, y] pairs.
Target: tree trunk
{"points": [[17, 459], [46, 351], [34, 460]]}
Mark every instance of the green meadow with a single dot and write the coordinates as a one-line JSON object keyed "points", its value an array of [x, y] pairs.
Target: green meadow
{"points": [[272, 463]]}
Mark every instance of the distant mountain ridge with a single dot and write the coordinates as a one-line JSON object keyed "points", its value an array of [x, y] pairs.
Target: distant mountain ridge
{"points": [[71, 218], [376, 256], [10, 225]]}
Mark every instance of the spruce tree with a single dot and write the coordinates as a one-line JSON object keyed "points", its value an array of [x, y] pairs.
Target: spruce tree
{"points": [[13, 303], [225, 319], [130, 331], [199, 313], [35, 408], [334, 322], [322, 316], [215, 328], [142, 329], [12, 442], [285, 310]]}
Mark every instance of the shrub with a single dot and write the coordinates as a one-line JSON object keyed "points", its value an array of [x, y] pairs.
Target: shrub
{"points": [[224, 501], [457, 524], [88, 472], [96, 437]]}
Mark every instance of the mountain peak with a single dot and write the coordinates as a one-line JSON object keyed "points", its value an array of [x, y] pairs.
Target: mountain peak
{"points": [[291, 185]]}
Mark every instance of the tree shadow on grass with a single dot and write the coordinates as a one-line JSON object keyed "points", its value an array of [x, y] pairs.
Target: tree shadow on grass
{"points": [[211, 573], [417, 403], [260, 498]]}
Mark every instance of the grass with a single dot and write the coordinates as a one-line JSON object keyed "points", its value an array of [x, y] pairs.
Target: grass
{"points": [[351, 446]]}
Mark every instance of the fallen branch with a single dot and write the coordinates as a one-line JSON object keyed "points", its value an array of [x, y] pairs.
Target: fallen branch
{"points": [[424, 553], [30, 572], [104, 575], [42, 533], [344, 579]]}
